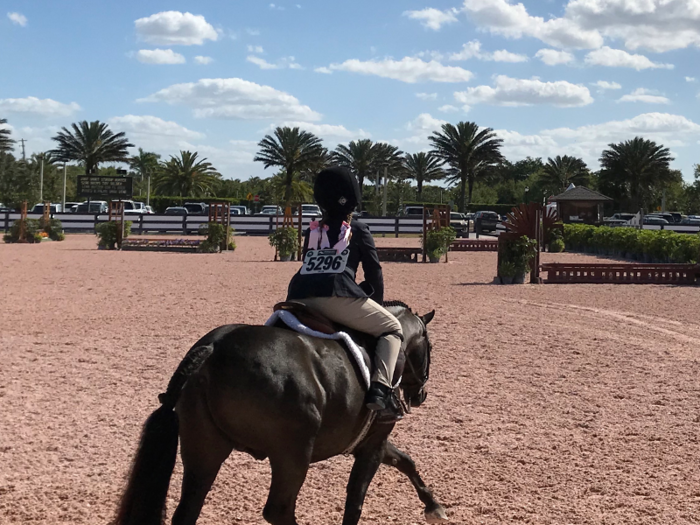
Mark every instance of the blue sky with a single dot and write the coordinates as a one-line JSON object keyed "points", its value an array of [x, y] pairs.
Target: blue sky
{"points": [[553, 78]]}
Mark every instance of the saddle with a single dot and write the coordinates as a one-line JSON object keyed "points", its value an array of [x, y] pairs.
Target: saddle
{"points": [[320, 323]]}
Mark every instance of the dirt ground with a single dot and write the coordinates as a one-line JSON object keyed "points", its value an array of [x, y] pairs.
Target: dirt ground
{"points": [[551, 404]]}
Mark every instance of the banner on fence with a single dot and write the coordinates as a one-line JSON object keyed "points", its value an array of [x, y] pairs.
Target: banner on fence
{"points": [[96, 187]]}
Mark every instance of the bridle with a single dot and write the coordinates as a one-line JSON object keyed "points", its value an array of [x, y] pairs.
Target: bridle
{"points": [[421, 379]]}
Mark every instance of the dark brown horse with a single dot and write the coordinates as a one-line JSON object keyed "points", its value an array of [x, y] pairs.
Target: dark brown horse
{"points": [[275, 394]]}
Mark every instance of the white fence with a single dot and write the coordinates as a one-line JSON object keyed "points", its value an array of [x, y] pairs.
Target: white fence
{"points": [[189, 224]]}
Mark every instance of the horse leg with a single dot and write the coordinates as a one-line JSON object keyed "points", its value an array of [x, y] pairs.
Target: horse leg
{"points": [[365, 467], [289, 470], [434, 512], [203, 449]]}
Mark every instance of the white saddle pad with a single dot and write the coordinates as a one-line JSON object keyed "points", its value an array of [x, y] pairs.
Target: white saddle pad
{"points": [[292, 322]]}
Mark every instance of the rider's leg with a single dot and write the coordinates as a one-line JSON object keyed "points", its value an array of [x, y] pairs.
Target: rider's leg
{"points": [[367, 316]]}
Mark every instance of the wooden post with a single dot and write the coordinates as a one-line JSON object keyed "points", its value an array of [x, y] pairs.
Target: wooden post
{"points": [[23, 222], [299, 233], [425, 233]]}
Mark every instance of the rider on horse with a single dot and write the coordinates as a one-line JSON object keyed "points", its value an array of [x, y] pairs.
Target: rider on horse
{"points": [[331, 288]]}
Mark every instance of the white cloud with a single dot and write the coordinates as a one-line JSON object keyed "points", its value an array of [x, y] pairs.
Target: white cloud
{"points": [[425, 122], [159, 56], [153, 130], [203, 60], [427, 96], [691, 79], [608, 57], [644, 95], [43, 107], [521, 92], [283, 63], [18, 19], [517, 146], [234, 98], [448, 108], [513, 21], [433, 18], [276, 7], [170, 28], [325, 131], [552, 57], [324, 70], [408, 69], [473, 50], [255, 49], [604, 85]]}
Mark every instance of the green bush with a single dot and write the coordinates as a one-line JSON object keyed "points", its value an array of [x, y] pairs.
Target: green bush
{"points": [[286, 240], [556, 246], [107, 233], [507, 269], [31, 229], [216, 240], [437, 242], [54, 228], [643, 245], [518, 253]]}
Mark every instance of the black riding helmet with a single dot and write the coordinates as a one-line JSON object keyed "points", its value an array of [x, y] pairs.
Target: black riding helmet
{"points": [[337, 192]]}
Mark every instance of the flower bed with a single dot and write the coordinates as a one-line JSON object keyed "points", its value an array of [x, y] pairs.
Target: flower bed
{"points": [[160, 245], [649, 246]]}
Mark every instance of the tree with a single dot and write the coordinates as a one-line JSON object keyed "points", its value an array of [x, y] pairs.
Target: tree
{"points": [[5, 141], [633, 169], [359, 156], [422, 167], [145, 164], [300, 191], [560, 172], [186, 176], [89, 144], [469, 151], [294, 151]]}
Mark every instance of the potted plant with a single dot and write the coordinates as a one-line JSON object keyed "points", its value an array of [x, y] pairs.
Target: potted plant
{"points": [[437, 242], [506, 271], [217, 240], [107, 233], [286, 240], [518, 253]]}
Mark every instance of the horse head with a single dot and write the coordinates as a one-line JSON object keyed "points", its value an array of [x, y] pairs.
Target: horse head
{"points": [[417, 348]]}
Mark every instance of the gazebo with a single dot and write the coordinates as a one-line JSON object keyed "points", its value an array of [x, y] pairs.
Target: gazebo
{"points": [[580, 204]]}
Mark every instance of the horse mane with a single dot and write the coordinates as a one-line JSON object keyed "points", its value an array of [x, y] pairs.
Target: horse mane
{"points": [[400, 304]]}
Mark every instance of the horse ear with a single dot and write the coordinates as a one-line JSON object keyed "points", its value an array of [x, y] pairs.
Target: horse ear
{"points": [[428, 317]]}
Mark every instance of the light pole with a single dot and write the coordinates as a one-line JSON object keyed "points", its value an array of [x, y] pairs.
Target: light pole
{"points": [[63, 204], [148, 190], [41, 181], [527, 189]]}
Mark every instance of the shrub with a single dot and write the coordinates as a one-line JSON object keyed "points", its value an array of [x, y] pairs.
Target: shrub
{"points": [[556, 246], [107, 233], [54, 228], [286, 240], [31, 227], [437, 242], [518, 253], [506, 269], [216, 240]]}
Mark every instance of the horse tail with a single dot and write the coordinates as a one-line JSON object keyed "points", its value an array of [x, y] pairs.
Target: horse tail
{"points": [[143, 501]]}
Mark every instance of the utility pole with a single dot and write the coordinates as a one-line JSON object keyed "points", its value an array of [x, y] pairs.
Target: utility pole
{"points": [[63, 205], [24, 157], [386, 184], [41, 181]]}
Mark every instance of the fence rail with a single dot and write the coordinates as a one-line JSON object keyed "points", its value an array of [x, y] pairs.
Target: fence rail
{"points": [[189, 224]]}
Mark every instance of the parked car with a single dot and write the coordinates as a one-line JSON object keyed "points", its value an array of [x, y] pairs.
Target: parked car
{"points": [[5, 209], [242, 210], [176, 210], [53, 208], [691, 221], [196, 208], [486, 221], [310, 210], [95, 207], [413, 211], [458, 223], [134, 208], [271, 210], [149, 210], [655, 220], [235, 211]]}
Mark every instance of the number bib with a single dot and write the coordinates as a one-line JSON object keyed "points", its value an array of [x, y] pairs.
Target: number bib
{"points": [[325, 261]]}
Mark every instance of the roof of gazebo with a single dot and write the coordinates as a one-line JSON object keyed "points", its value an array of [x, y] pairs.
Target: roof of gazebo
{"points": [[580, 194]]}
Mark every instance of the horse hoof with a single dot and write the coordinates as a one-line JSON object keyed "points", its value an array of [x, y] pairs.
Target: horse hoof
{"points": [[436, 515]]}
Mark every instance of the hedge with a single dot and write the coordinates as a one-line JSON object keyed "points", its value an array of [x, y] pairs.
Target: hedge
{"points": [[652, 246]]}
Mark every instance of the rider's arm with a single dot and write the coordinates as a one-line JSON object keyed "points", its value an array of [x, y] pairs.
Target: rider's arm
{"points": [[371, 266]]}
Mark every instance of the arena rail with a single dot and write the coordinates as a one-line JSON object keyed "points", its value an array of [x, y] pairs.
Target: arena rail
{"points": [[621, 273]]}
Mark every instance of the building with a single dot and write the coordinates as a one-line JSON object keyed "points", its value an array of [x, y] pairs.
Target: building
{"points": [[580, 205]]}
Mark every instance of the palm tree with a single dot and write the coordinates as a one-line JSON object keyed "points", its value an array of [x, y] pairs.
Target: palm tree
{"points": [[186, 176], [301, 191], [359, 157], [145, 164], [389, 157], [5, 141], [469, 151], [560, 172], [635, 167], [422, 167], [294, 151], [89, 144]]}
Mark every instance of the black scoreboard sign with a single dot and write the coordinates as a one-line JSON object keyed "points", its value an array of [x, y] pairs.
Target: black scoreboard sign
{"points": [[112, 188]]}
